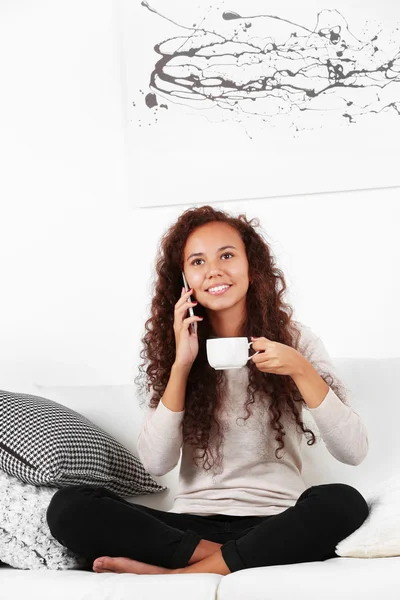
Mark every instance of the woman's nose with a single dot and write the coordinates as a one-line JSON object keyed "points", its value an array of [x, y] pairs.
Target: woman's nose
{"points": [[213, 272]]}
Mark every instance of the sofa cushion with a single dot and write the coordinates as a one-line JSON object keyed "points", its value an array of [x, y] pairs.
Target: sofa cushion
{"points": [[86, 585], [332, 579], [43, 442], [25, 538], [379, 535]]}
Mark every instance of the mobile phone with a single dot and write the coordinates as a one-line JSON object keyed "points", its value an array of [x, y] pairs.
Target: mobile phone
{"points": [[191, 311]]}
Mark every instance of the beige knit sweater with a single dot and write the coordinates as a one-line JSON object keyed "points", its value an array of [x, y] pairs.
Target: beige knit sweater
{"points": [[253, 481]]}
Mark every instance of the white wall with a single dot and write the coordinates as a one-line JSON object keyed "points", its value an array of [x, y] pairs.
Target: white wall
{"points": [[76, 260]]}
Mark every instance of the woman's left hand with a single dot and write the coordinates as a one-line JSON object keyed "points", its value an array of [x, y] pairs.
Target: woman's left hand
{"points": [[277, 358]]}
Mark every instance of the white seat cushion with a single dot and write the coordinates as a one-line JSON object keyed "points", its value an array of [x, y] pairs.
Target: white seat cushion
{"points": [[333, 579], [85, 585]]}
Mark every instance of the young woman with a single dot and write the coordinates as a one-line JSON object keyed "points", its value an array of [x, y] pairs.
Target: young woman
{"points": [[242, 501]]}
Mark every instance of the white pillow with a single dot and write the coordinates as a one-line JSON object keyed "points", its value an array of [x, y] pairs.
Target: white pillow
{"points": [[379, 535], [25, 538]]}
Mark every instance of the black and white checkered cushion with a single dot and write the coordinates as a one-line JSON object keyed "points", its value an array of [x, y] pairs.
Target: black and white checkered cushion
{"points": [[43, 442]]}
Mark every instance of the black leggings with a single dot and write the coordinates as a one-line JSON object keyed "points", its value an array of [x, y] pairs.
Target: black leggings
{"points": [[92, 522]]}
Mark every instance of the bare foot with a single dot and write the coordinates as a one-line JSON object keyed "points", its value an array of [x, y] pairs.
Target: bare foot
{"points": [[107, 564]]}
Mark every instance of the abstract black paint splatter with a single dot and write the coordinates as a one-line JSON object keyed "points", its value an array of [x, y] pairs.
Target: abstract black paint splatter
{"points": [[295, 70]]}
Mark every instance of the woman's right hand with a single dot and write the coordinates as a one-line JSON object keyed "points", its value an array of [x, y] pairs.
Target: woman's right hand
{"points": [[186, 342]]}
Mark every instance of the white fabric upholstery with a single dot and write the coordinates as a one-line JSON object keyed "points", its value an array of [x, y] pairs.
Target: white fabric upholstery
{"points": [[334, 579], [82, 585], [375, 386], [379, 537]]}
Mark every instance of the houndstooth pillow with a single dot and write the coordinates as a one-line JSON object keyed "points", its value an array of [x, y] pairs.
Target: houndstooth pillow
{"points": [[43, 442]]}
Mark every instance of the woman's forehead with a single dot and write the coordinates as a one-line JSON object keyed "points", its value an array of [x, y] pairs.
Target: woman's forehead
{"points": [[212, 236]]}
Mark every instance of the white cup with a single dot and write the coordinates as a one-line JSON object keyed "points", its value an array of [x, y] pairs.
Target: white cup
{"points": [[228, 353]]}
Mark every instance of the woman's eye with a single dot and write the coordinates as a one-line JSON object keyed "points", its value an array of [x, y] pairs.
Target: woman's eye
{"points": [[196, 261]]}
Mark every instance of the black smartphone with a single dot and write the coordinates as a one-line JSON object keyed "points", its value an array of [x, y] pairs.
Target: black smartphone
{"points": [[191, 311]]}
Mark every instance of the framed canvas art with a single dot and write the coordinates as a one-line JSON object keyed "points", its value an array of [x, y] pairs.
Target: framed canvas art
{"points": [[236, 99]]}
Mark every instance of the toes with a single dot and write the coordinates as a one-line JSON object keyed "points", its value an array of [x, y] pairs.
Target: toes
{"points": [[105, 563]]}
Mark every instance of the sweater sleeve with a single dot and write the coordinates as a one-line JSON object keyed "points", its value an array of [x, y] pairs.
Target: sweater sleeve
{"points": [[160, 439], [341, 427]]}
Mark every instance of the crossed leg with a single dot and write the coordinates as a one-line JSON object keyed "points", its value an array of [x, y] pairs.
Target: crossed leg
{"points": [[93, 521], [307, 532]]}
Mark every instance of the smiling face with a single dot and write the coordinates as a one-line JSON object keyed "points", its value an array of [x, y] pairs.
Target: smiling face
{"points": [[216, 267]]}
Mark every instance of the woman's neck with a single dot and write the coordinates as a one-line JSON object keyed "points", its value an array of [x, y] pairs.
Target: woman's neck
{"points": [[227, 323]]}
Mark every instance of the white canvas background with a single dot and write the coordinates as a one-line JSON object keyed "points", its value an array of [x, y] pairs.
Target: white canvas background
{"points": [[183, 154]]}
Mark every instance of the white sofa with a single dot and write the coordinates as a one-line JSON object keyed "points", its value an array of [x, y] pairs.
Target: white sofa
{"points": [[375, 394]]}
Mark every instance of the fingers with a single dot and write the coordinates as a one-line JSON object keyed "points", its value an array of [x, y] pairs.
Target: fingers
{"points": [[186, 322], [268, 362], [181, 310], [183, 300], [265, 360], [261, 357], [183, 303], [268, 367], [260, 343], [264, 355]]}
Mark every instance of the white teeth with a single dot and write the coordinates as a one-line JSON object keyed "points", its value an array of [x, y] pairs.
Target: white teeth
{"points": [[219, 288]]}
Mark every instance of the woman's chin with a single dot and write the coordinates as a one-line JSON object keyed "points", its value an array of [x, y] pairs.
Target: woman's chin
{"points": [[217, 304]]}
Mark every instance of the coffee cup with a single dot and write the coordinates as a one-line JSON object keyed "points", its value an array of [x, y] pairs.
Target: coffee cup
{"points": [[228, 353]]}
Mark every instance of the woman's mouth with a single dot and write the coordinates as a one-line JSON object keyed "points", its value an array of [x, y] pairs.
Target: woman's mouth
{"points": [[218, 290]]}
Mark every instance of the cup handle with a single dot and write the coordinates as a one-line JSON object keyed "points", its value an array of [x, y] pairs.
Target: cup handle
{"points": [[258, 351]]}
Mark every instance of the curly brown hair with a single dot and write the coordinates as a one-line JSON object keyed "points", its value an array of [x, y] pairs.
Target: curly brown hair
{"points": [[268, 315]]}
